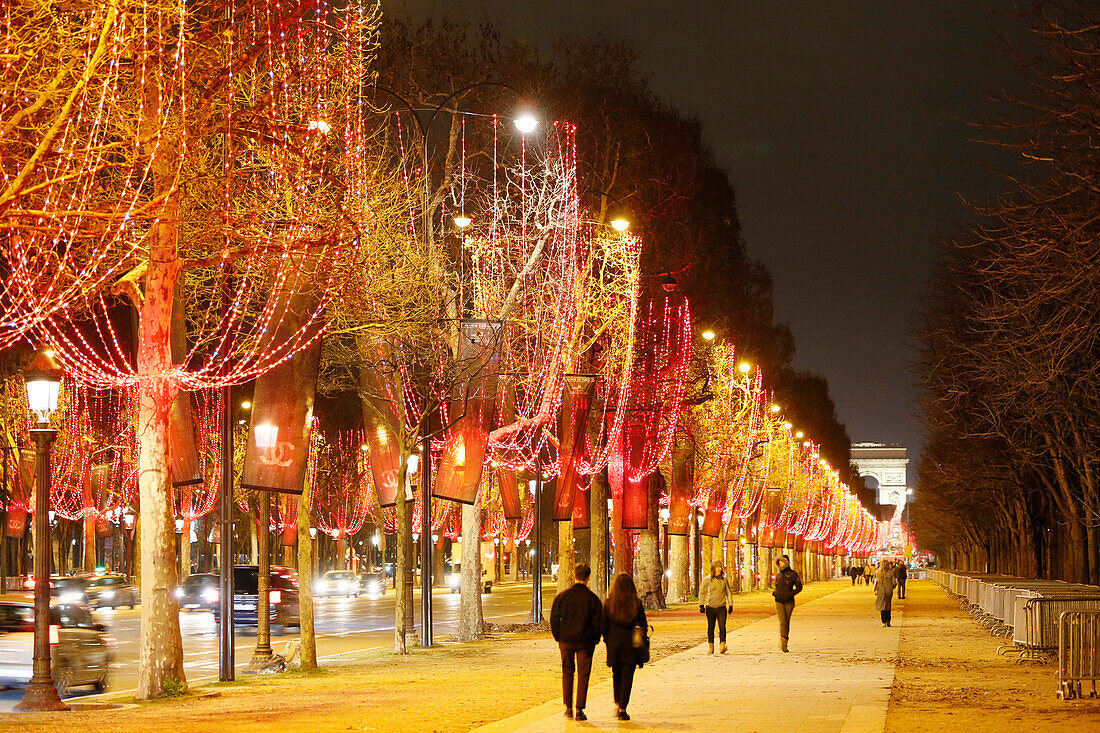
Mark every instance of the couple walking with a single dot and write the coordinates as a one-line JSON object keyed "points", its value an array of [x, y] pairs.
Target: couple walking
{"points": [[578, 620], [716, 601]]}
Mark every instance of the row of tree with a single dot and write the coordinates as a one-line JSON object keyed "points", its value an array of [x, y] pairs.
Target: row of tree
{"points": [[1009, 477]]}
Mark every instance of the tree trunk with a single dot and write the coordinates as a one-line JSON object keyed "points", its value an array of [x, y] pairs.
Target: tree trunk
{"points": [[402, 617], [305, 582], [566, 556], [679, 583], [471, 622], [89, 543], [598, 536], [649, 570]]}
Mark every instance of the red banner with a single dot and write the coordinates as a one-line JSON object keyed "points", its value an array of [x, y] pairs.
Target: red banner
{"points": [[183, 451], [679, 498], [509, 493], [581, 514], [277, 452], [712, 521], [473, 410], [631, 495], [575, 406], [380, 416], [16, 526]]}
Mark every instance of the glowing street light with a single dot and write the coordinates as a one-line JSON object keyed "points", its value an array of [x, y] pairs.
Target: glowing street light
{"points": [[620, 224], [246, 405], [462, 221], [526, 122], [708, 335], [775, 408], [744, 367]]}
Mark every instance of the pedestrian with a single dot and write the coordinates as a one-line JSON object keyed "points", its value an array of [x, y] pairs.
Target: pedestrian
{"points": [[624, 628], [901, 576], [853, 573], [575, 621], [787, 586], [716, 600], [884, 592]]}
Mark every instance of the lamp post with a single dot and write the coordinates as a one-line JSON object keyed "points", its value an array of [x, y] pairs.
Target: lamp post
{"points": [[43, 379], [536, 567], [226, 652], [524, 123]]}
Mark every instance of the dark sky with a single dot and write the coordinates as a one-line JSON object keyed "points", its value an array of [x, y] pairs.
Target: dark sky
{"points": [[841, 124]]}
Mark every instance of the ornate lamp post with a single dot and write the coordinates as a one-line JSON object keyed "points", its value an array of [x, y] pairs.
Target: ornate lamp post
{"points": [[43, 379]]}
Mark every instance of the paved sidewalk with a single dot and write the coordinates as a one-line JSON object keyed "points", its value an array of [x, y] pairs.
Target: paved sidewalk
{"points": [[837, 677]]}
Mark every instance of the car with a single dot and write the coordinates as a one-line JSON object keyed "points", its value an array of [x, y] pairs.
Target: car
{"points": [[80, 650], [198, 591], [283, 609], [337, 583], [373, 584], [98, 591], [454, 580]]}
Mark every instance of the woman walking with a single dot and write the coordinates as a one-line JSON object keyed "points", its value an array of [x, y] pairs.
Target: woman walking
{"points": [[787, 586], [715, 600], [623, 626], [884, 591]]}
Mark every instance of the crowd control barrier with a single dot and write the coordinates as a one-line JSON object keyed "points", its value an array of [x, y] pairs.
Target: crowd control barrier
{"points": [[1078, 652]]}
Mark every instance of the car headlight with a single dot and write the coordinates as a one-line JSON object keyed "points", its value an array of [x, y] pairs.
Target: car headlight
{"points": [[110, 594], [344, 585], [210, 595], [179, 592], [455, 581], [372, 588], [72, 597]]}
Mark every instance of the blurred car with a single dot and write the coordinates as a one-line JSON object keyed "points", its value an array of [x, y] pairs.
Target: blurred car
{"points": [[198, 591], [98, 591], [337, 583], [373, 584], [81, 652], [454, 580], [283, 609]]}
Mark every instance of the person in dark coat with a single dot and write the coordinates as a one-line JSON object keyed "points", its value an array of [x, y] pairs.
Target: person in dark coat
{"points": [[901, 575], [623, 624], [851, 573], [884, 591], [576, 621], [787, 586]]}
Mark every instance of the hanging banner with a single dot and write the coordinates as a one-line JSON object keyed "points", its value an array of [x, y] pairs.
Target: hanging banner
{"points": [[377, 386], [183, 451], [576, 403], [712, 520], [16, 523], [277, 452], [472, 411], [507, 481], [679, 498], [631, 494], [581, 514]]}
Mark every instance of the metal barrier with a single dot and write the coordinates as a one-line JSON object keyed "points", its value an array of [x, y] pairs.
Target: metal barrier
{"points": [[1078, 652], [1035, 635]]}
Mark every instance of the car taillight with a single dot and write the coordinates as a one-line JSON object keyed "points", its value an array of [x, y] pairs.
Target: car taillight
{"points": [[275, 596], [28, 583], [55, 637]]}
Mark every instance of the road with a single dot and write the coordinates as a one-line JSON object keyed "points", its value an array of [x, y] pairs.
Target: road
{"points": [[343, 625]]}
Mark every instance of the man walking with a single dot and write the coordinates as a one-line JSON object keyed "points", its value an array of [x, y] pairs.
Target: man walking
{"points": [[901, 575], [575, 621], [787, 586]]}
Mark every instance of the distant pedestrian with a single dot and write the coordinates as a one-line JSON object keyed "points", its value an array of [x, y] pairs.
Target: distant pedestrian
{"points": [[884, 592], [624, 626], [901, 575], [868, 575], [716, 600], [853, 573], [787, 586], [575, 621]]}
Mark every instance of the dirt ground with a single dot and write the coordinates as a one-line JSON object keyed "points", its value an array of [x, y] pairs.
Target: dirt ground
{"points": [[454, 687], [950, 678]]}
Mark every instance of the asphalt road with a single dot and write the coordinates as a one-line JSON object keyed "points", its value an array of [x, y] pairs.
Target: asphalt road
{"points": [[343, 625]]}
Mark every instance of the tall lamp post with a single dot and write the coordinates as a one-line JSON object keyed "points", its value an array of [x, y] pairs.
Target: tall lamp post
{"points": [[43, 379], [524, 123]]}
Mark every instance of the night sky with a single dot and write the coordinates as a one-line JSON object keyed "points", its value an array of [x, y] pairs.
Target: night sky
{"points": [[844, 128]]}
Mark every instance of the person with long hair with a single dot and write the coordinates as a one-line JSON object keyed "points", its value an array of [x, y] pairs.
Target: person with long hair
{"points": [[716, 600], [624, 624], [787, 586]]}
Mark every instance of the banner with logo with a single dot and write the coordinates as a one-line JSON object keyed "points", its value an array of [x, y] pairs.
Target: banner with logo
{"points": [[576, 403]]}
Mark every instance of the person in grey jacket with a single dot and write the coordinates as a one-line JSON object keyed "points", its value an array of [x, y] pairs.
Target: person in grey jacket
{"points": [[716, 600]]}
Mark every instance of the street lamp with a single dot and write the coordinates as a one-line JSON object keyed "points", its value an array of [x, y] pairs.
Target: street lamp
{"points": [[620, 224], [708, 335], [43, 378], [526, 122]]}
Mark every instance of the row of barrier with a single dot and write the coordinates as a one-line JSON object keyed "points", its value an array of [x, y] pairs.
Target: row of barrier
{"points": [[1041, 617]]}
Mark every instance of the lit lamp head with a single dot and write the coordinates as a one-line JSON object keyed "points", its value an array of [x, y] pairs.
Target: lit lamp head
{"points": [[43, 378], [462, 221], [744, 367], [525, 122], [708, 335], [620, 223]]}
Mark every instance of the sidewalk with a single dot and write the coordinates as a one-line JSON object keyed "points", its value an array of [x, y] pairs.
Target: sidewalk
{"points": [[837, 677]]}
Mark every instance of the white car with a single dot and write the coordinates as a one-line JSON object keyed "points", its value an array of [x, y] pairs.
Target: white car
{"points": [[337, 583]]}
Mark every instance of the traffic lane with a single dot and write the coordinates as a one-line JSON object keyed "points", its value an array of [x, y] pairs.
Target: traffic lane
{"points": [[343, 626]]}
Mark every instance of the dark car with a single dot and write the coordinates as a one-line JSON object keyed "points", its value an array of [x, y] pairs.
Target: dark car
{"points": [[80, 653], [198, 591], [372, 584], [283, 598]]}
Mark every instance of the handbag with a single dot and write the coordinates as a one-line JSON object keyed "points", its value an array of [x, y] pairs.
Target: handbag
{"points": [[640, 640]]}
